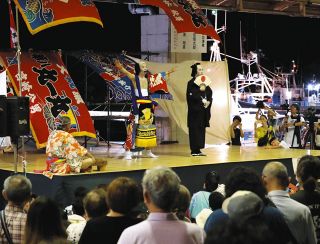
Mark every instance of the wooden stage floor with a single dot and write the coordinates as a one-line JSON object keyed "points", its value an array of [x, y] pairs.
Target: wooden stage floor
{"points": [[172, 155]]}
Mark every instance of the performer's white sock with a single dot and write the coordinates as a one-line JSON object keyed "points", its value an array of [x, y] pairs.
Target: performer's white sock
{"points": [[150, 154], [128, 155]]}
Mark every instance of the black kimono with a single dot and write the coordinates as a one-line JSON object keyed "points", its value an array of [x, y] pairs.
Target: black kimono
{"points": [[198, 115]]}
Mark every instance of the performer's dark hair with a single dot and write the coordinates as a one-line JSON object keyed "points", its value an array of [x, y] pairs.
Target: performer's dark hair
{"points": [[272, 139], [237, 117], [137, 68], [194, 69], [296, 106]]}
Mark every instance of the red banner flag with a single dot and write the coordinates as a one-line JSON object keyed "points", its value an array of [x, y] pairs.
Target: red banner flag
{"points": [[42, 14], [13, 29], [186, 16], [51, 91]]}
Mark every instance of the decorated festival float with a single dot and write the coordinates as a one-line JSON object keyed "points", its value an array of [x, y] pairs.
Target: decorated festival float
{"points": [[47, 79]]}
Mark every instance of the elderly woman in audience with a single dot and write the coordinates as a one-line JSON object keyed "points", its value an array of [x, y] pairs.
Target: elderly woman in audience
{"points": [[200, 199], [245, 178], [123, 194], [44, 223], [95, 206], [160, 189], [308, 172]]}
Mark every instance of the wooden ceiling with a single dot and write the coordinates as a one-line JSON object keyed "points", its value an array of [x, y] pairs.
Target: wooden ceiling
{"points": [[295, 8]]}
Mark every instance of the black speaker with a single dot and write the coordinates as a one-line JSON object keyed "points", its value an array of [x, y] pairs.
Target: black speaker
{"points": [[3, 116], [18, 116]]}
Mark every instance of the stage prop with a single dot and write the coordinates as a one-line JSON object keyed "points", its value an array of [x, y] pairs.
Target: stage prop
{"points": [[218, 132], [51, 91], [186, 16], [42, 14]]}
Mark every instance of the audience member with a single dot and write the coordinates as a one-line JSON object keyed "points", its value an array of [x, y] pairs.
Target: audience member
{"points": [[17, 192], [236, 131], [160, 188], [297, 215], [95, 205], [62, 145], [182, 203], [44, 223], [246, 225], [245, 178], [308, 172], [200, 199], [215, 202], [123, 194]]}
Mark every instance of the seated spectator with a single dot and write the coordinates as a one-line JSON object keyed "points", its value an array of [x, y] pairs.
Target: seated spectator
{"points": [[264, 132], [160, 189], [245, 178], [123, 194], [44, 223], [215, 202], [297, 216], [17, 192], [275, 143], [182, 203], [62, 146], [245, 226], [236, 131], [95, 206], [200, 199], [308, 172]]}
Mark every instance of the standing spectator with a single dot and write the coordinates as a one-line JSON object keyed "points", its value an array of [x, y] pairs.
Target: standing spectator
{"points": [[199, 100], [17, 192], [44, 223], [200, 199], [123, 194], [236, 131], [308, 172], [292, 125], [160, 189], [297, 215], [95, 206]]}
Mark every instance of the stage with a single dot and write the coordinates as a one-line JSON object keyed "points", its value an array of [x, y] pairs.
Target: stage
{"points": [[191, 170]]}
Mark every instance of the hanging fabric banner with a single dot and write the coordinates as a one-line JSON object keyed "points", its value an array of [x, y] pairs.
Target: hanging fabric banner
{"points": [[186, 16], [42, 14], [120, 84], [13, 29], [51, 91]]}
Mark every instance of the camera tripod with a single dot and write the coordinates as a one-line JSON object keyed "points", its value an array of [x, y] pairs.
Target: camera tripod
{"points": [[309, 136]]}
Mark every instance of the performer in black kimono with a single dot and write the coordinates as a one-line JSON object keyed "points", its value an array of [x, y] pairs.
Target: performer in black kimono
{"points": [[199, 99]]}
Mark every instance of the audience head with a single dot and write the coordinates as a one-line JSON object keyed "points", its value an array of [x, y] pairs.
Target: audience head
{"points": [[308, 172], [43, 221], [211, 181], [17, 189], [244, 178], [77, 205], [95, 204], [123, 194], [250, 231], [275, 176], [182, 202], [160, 187], [215, 200]]}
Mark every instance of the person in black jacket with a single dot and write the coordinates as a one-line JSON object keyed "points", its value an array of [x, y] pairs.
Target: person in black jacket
{"points": [[199, 100]]}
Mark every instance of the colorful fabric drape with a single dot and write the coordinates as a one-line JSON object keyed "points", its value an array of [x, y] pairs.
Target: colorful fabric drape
{"points": [[52, 93], [120, 84], [13, 29], [186, 16], [42, 14]]}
